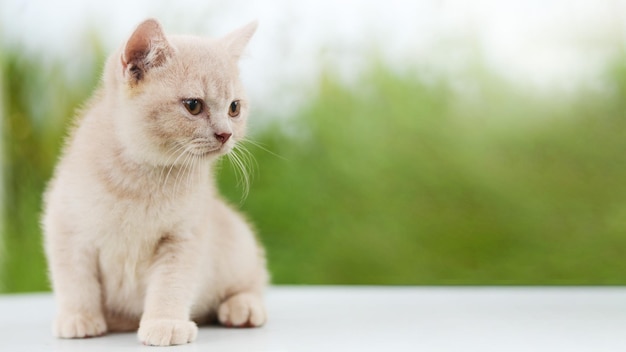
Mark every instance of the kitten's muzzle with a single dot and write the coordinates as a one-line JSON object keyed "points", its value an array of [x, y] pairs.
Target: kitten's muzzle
{"points": [[205, 146]]}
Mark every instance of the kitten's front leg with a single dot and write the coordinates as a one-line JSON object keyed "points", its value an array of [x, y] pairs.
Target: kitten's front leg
{"points": [[166, 318], [74, 274]]}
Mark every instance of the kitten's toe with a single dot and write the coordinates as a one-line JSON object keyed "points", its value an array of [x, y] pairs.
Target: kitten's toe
{"points": [[69, 326], [167, 332], [242, 310]]}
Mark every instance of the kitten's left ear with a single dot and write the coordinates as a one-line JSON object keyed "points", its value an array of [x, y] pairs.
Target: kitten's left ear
{"points": [[237, 40], [146, 48]]}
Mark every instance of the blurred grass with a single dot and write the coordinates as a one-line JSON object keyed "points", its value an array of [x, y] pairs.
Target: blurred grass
{"points": [[396, 179], [38, 104]]}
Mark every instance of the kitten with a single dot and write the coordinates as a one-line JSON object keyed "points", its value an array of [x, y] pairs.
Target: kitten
{"points": [[136, 235]]}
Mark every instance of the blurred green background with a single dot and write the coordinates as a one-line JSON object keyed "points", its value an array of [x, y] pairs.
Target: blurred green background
{"points": [[395, 177]]}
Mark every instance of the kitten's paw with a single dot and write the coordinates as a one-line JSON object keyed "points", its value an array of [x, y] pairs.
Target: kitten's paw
{"points": [[70, 326], [167, 332], [242, 310]]}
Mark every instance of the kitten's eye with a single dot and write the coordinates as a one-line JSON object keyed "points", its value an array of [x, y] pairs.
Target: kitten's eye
{"points": [[194, 106], [234, 108]]}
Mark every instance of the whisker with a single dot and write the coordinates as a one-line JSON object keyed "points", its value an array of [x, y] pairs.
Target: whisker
{"points": [[247, 157], [172, 152], [182, 152], [241, 172], [262, 147], [194, 161], [181, 175]]}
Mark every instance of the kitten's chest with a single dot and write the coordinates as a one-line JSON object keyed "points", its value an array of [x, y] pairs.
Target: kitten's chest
{"points": [[131, 230], [146, 214], [130, 217], [131, 233]]}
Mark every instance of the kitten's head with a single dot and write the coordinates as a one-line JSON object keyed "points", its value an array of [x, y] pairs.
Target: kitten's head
{"points": [[178, 96]]}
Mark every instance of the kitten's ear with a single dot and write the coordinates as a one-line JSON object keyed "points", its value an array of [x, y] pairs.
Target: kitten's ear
{"points": [[146, 48], [237, 40]]}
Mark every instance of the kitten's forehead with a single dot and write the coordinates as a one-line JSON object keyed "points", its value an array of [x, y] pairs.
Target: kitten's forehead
{"points": [[206, 64]]}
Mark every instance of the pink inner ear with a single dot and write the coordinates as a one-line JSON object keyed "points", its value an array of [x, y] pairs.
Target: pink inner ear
{"points": [[138, 44], [147, 47]]}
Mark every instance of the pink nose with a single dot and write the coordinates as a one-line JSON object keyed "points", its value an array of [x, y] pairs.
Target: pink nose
{"points": [[223, 137]]}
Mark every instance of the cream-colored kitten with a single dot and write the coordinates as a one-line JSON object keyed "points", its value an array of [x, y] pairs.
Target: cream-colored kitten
{"points": [[136, 235]]}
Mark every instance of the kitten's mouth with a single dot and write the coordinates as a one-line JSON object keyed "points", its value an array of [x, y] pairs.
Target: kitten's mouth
{"points": [[203, 148], [206, 151]]}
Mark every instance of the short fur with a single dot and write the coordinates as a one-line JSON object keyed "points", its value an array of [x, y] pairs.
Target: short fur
{"points": [[136, 235]]}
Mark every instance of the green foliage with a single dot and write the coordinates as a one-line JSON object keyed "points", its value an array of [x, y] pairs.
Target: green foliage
{"points": [[403, 182], [38, 104], [396, 179]]}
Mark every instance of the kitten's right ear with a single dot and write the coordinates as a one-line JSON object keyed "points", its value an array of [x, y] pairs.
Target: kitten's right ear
{"points": [[237, 40], [146, 48]]}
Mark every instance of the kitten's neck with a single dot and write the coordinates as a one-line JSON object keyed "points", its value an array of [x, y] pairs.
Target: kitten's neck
{"points": [[128, 178]]}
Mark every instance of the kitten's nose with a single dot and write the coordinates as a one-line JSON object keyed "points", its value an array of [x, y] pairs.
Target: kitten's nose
{"points": [[223, 137]]}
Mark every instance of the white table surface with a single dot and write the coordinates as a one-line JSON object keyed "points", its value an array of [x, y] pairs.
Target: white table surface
{"points": [[337, 318]]}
